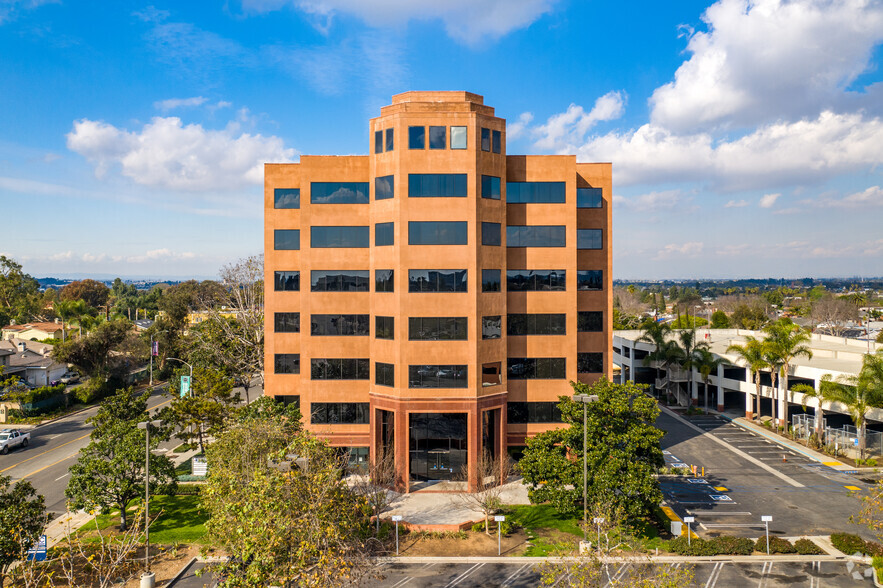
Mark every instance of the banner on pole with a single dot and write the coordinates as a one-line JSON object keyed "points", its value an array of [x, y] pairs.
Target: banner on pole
{"points": [[185, 386], [155, 349]]}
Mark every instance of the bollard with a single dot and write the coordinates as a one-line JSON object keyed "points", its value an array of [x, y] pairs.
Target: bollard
{"points": [[148, 580]]}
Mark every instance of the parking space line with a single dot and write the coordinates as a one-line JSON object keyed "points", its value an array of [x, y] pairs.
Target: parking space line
{"points": [[715, 574], [767, 568], [713, 514], [463, 576], [515, 575], [401, 582]]}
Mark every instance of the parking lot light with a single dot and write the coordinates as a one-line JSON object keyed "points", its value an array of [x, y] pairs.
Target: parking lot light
{"points": [[585, 399]]}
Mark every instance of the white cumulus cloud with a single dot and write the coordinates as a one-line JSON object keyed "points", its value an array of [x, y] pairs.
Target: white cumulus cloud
{"points": [[768, 200], [689, 249], [565, 130], [652, 201], [736, 204], [762, 60], [871, 197], [168, 154], [173, 103]]}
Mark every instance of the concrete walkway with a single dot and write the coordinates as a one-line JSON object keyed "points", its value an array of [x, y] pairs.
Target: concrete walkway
{"points": [[827, 460]]}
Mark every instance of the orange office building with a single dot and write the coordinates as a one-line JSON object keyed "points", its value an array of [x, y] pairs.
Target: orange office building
{"points": [[435, 297]]}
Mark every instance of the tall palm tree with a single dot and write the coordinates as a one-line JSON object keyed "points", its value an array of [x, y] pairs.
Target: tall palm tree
{"points": [[656, 334], [819, 396], [774, 362], [859, 393], [752, 353], [689, 345], [705, 361], [68, 309], [786, 342]]}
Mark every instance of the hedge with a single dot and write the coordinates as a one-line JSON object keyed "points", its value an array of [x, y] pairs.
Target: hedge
{"points": [[806, 547], [714, 546], [777, 545], [851, 544]]}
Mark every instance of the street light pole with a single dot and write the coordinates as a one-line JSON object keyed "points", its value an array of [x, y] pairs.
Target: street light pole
{"points": [[191, 371], [151, 354], [585, 399], [147, 578]]}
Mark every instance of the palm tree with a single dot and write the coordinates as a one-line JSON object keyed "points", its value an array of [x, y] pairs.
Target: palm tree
{"points": [[705, 361], [656, 334], [786, 342], [68, 309], [819, 396], [752, 353], [688, 346], [859, 393]]}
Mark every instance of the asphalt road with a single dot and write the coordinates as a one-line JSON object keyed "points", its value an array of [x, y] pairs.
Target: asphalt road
{"points": [[54, 447], [748, 476]]}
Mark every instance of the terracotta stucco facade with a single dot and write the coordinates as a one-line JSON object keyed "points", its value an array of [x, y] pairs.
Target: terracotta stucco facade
{"points": [[477, 393]]}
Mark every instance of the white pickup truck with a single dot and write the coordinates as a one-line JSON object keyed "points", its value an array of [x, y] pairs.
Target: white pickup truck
{"points": [[11, 438]]}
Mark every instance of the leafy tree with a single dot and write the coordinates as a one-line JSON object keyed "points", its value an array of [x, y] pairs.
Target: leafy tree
{"points": [[859, 393], [688, 321], [22, 520], [751, 317], [68, 310], [110, 470], [92, 353], [622, 450], [179, 300], [833, 315], [623, 321], [93, 293], [301, 527], [19, 293], [720, 320], [665, 353], [753, 354], [205, 410]]}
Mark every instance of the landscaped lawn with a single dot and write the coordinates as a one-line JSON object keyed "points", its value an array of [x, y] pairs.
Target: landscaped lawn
{"points": [[177, 519], [548, 530]]}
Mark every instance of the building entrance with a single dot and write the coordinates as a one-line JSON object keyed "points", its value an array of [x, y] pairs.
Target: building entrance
{"points": [[437, 446]]}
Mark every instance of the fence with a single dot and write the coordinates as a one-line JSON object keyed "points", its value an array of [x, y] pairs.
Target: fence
{"points": [[844, 441]]}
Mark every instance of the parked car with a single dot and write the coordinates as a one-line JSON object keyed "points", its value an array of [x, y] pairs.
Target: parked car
{"points": [[12, 438], [70, 378]]}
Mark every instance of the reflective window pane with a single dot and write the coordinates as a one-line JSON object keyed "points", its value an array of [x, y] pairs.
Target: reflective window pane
{"points": [[339, 413], [287, 281], [437, 281], [490, 280], [537, 368], [389, 139], [286, 239], [384, 187], [490, 234], [491, 374], [331, 325], [490, 187], [589, 239], [533, 412], [535, 236], [491, 327], [458, 138], [384, 327], [286, 198], [286, 363], [337, 237], [497, 141], [339, 281], [286, 322], [437, 328], [535, 192], [485, 139], [416, 137], [437, 185], [384, 234], [383, 280], [378, 141], [590, 321], [590, 363], [339, 193], [437, 233], [589, 198], [339, 369], [384, 374], [438, 137], [438, 376], [536, 324], [589, 280], [535, 280]]}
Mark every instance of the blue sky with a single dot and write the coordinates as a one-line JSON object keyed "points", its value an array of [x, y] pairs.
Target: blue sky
{"points": [[746, 137]]}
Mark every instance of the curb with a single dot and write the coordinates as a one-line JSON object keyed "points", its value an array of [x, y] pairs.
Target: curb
{"points": [[64, 416], [617, 559], [180, 573]]}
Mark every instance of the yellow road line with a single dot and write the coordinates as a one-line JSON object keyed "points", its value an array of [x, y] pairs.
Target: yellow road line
{"points": [[671, 514], [50, 465], [831, 463], [855, 488], [42, 453], [721, 488]]}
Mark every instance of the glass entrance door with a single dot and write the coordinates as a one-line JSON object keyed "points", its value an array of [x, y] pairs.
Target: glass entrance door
{"points": [[437, 446]]}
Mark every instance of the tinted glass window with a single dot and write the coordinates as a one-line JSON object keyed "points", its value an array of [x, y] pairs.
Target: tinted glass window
{"points": [[590, 321], [339, 413], [384, 327], [535, 236], [339, 193], [536, 324], [438, 137], [485, 139], [384, 374], [436, 185], [339, 281], [286, 322], [490, 187], [535, 280], [383, 281], [491, 327], [434, 328], [590, 363], [490, 280], [286, 198], [528, 192], [383, 234], [331, 325], [286, 239], [389, 139], [537, 368], [437, 376], [437, 281], [492, 374], [497, 141], [458, 137], [287, 281], [589, 198], [589, 239], [286, 363], [533, 412], [378, 141], [337, 368], [416, 137], [384, 187], [589, 280], [437, 233], [490, 234], [333, 237]]}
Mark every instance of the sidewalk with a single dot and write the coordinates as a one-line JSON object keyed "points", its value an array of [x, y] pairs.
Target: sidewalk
{"points": [[826, 460]]}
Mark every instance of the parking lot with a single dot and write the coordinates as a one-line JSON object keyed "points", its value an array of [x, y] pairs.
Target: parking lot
{"points": [[747, 476]]}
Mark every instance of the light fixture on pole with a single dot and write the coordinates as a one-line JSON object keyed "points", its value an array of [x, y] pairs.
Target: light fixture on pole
{"points": [[152, 352], [689, 520], [585, 399], [147, 578], [766, 522], [189, 378]]}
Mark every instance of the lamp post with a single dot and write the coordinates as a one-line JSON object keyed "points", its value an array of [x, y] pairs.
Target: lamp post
{"points": [[151, 353], [191, 371], [585, 399], [147, 579]]}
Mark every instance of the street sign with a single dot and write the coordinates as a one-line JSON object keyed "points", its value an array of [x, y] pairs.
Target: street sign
{"points": [[766, 519], [38, 551], [499, 518], [689, 520], [185, 386], [396, 518]]}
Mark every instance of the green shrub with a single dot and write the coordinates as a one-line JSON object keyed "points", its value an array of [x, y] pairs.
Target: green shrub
{"points": [[505, 527], [870, 462], [777, 545], [696, 546], [849, 543], [732, 545], [806, 547], [37, 394]]}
